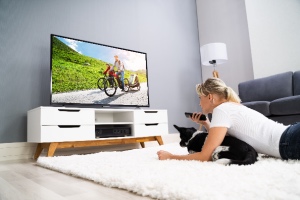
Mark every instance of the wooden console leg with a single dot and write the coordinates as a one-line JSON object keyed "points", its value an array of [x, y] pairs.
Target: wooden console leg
{"points": [[52, 148], [159, 140], [38, 151], [142, 144]]}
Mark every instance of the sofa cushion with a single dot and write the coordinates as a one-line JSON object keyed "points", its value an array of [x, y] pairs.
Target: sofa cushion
{"points": [[260, 106], [285, 106], [268, 88], [296, 82]]}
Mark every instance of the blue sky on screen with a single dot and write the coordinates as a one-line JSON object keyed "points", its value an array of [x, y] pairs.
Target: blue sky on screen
{"points": [[132, 60]]}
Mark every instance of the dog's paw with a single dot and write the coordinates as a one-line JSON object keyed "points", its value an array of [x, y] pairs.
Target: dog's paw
{"points": [[191, 151], [223, 161]]}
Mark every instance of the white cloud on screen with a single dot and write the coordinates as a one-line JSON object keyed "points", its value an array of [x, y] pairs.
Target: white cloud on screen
{"points": [[73, 44], [132, 60]]}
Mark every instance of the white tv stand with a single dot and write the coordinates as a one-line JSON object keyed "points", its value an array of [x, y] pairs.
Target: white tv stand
{"points": [[60, 127]]}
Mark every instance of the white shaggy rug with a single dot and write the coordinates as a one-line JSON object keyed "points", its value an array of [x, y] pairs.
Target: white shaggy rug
{"points": [[141, 172]]}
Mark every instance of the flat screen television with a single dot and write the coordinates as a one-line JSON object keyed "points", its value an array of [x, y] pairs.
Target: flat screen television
{"points": [[77, 75]]}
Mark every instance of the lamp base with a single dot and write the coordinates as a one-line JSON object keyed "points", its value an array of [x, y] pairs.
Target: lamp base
{"points": [[215, 74]]}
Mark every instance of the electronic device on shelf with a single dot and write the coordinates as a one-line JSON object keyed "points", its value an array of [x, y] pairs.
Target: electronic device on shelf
{"points": [[77, 65], [105, 131]]}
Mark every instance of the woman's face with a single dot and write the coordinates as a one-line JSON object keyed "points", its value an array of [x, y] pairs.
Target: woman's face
{"points": [[205, 103]]}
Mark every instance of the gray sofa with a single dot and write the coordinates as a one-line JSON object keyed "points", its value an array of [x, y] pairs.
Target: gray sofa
{"points": [[277, 96]]}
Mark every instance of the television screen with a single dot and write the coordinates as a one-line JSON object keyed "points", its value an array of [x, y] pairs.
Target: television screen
{"points": [[85, 73]]}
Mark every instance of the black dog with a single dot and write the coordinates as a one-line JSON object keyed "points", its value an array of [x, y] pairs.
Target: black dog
{"points": [[231, 151]]}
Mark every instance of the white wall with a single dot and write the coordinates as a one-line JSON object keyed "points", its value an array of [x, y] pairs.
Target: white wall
{"points": [[225, 21], [274, 29]]}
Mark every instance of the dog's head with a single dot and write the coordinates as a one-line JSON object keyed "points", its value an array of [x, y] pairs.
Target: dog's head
{"points": [[185, 134]]}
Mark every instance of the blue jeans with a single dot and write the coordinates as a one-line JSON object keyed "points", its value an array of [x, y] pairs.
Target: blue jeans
{"points": [[289, 145], [122, 78]]}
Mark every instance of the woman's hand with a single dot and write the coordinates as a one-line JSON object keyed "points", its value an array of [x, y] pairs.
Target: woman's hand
{"points": [[164, 155], [196, 118]]}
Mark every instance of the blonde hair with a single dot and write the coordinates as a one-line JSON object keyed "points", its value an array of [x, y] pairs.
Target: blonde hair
{"points": [[217, 86]]}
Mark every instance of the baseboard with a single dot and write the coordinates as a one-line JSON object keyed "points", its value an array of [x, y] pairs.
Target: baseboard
{"points": [[24, 150], [16, 151]]}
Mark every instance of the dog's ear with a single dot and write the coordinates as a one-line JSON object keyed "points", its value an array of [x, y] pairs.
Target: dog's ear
{"points": [[177, 127]]}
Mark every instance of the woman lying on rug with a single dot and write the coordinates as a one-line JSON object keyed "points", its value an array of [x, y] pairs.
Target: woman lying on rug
{"points": [[230, 116]]}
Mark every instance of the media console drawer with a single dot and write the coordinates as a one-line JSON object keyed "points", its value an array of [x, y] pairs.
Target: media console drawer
{"points": [[67, 133], [150, 116], [149, 129], [63, 116]]}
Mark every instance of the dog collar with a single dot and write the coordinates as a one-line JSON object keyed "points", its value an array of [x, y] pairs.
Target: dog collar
{"points": [[194, 134]]}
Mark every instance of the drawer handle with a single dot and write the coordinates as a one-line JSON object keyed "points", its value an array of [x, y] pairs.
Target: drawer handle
{"points": [[154, 124], [67, 110], [151, 111], [68, 126]]}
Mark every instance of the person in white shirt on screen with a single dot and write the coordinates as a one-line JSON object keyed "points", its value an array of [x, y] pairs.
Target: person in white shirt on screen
{"points": [[121, 70]]}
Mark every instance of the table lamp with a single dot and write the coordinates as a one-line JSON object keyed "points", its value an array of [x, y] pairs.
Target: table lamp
{"points": [[213, 54]]}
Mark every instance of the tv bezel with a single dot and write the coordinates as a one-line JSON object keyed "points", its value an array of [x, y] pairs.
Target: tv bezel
{"points": [[98, 105]]}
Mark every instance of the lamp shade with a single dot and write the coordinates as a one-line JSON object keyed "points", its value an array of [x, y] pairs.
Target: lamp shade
{"points": [[213, 51]]}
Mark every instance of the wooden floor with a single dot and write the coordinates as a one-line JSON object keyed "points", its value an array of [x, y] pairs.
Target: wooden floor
{"points": [[24, 180]]}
